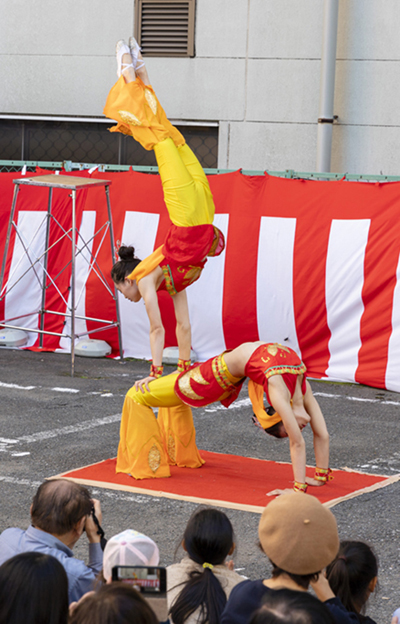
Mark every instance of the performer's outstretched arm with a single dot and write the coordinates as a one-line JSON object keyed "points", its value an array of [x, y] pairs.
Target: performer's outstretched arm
{"points": [[157, 331], [320, 432], [280, 401]]}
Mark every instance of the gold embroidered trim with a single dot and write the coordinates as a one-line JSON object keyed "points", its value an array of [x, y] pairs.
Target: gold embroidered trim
{"points": [[171, 448], [129, 118], [274, 348], [169, 282], [220, 374], [192, 274], [215, 242], [198, 377], [186, 388], [154, 458], [151, 101], [298, 369]]}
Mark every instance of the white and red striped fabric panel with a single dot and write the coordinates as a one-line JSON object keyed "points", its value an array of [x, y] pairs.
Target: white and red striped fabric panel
{"points": [[314, 265]]}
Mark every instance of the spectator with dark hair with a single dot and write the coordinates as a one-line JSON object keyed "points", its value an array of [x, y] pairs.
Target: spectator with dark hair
{"points": [[33, 590], [285, 606], [353, 576], [299, 536], [199, 585], [61, 511], [116, 603]]}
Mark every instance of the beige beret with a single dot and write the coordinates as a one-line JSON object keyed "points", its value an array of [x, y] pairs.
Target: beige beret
{"points": [[298, 534]]}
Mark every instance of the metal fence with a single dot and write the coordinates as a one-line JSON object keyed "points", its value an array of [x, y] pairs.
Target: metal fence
{"points": [[75, 146], [91, 142]]}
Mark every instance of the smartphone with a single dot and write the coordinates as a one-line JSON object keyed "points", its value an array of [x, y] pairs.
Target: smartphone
{"points": [[146, 579], [151, 581]]}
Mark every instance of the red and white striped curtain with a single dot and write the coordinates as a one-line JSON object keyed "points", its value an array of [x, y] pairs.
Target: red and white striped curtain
{"points": [[311, 264]]}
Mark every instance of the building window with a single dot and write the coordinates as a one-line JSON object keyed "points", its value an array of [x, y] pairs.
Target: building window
{"points": [[165, 27], [90, 142]]}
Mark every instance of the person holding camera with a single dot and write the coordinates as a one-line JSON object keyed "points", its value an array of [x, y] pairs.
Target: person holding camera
{"points": [[61, 511]]}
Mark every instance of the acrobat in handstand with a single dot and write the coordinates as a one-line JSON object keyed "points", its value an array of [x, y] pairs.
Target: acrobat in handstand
{"points": [[191, 237], [149, 445]]}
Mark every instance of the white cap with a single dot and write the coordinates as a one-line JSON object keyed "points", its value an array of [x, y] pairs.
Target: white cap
{"points": [[129, 548]]}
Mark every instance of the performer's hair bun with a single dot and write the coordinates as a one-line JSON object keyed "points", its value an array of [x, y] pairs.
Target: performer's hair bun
{"points": [[126, 254], [125, 265]]}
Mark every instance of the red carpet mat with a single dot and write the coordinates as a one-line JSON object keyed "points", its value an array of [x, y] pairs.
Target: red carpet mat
{"points": [[229, 481]]}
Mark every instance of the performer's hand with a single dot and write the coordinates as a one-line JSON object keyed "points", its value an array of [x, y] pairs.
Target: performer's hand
{"points": [[314, 482], [279, 492], [142, 384]]}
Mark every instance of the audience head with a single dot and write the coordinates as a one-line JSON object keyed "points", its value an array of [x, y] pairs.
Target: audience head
{"points": [[116, 603], [299, 536], [59, 505], [126, 264], [129, 548], [285, 606], [353, 574], [208, 540], [208, 536], [33, 590]]}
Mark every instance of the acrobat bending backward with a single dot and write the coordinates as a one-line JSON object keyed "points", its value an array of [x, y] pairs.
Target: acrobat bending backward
{"points": [[148, 445], [191, 237]]}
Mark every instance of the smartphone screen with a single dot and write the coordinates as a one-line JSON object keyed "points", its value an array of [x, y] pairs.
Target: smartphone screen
{"points": [[146, 579]]}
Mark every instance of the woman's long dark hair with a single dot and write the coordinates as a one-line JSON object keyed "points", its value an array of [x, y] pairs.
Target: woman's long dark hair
{"points": [[126, 264], [33, 590], [350, 574], [208, 539]]}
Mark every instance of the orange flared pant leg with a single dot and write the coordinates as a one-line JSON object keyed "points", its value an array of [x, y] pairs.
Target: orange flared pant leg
{"points": [[141, 450], [139, 114], [179, 436], [148, 445]]}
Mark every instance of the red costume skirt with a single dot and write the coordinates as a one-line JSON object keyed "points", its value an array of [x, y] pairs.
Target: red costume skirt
{"points": [[207, 383]]}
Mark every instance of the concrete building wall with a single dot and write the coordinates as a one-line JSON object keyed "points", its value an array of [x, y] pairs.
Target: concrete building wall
{"points": [[256, 72]]}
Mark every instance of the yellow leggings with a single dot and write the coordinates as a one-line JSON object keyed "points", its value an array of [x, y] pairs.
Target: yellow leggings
{"points": [[149, 445], [139, 114]]}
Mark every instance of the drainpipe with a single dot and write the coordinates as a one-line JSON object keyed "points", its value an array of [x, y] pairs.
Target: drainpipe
{"points": [[327, 92]]}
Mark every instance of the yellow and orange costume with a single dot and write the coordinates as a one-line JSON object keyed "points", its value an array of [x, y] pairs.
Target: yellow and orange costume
{"points": [[191, 237], [148, 445]]}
